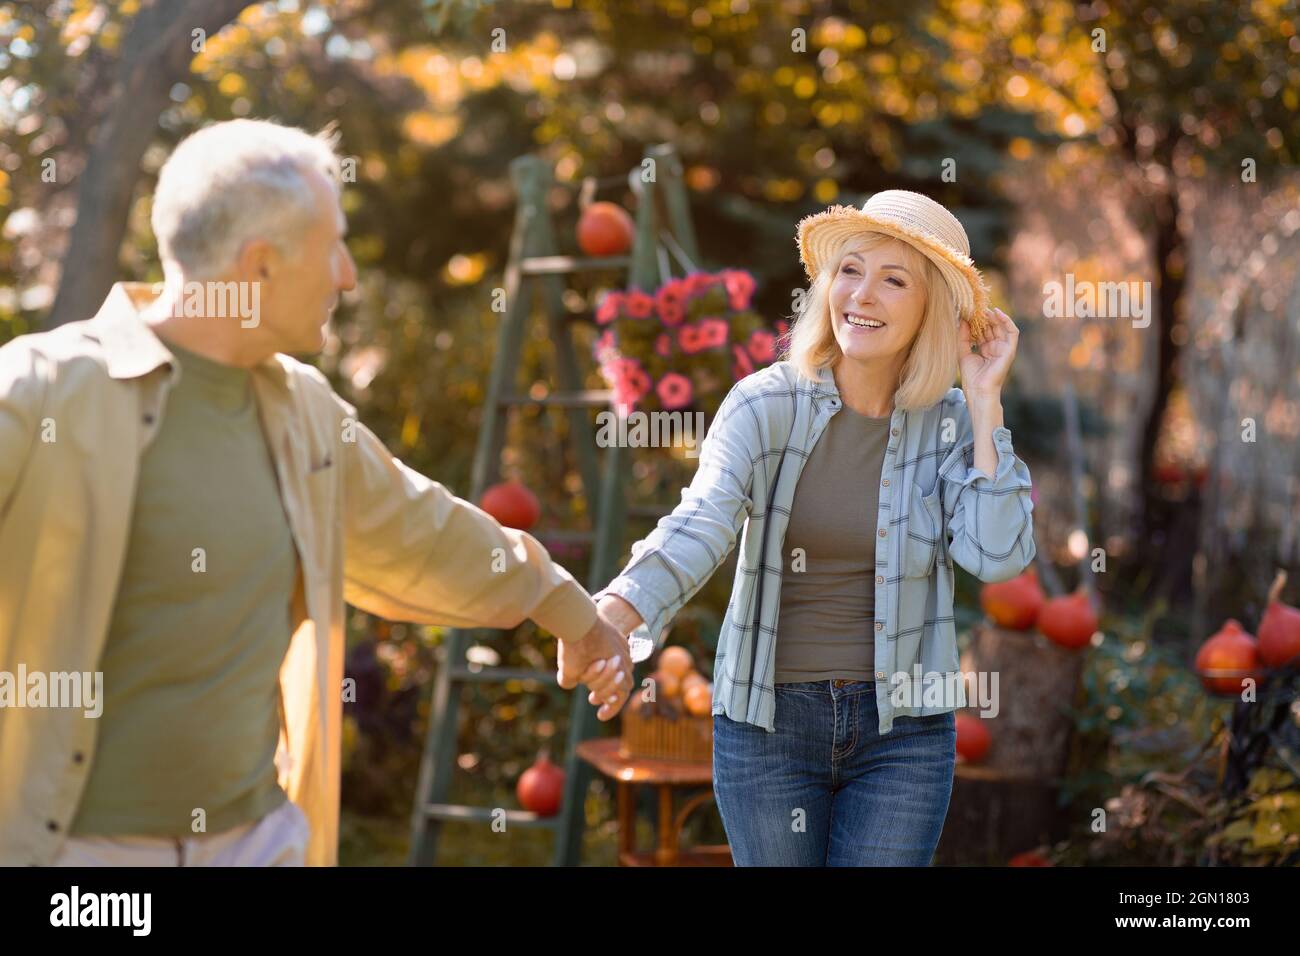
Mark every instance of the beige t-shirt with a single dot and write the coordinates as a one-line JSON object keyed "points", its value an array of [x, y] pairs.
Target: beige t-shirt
{"points": [[825, 626]]}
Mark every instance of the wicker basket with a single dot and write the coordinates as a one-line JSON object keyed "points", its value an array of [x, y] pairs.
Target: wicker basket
{"points": [[666, 734]]}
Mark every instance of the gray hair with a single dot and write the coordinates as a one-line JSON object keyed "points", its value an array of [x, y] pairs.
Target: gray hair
{"points": [[235, 181]]}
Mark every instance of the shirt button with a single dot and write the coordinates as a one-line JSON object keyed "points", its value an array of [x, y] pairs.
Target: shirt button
{"points": [[893, 431], [148, 419], [52, 826], [880, 675], [882, 532], [885, 482], [879, 579], [78, 757], [880, 625]]}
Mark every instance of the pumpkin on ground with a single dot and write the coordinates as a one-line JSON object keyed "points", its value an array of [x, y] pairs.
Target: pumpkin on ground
{"points": [[1013, 604], [1279, 631], [1029, 858], [973, 739], [1068, 621], [1227, 659]]}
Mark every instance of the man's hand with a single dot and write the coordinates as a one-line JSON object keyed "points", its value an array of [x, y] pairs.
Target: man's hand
{"points": [[601, 660]]}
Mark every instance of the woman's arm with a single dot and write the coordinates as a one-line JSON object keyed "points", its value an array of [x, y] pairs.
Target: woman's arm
{"points": [[985, 418], [988, 496], [621, 614], [989, 510], [676, 559]]}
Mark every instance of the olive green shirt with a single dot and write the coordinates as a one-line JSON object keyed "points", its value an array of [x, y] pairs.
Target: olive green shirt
{"points": [[824, 630], [200, 626]]}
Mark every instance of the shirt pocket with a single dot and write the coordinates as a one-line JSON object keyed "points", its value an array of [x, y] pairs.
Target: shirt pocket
{"points": [[924, 528]]}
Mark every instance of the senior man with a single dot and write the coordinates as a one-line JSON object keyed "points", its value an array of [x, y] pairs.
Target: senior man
{"points": [[185, 509]]}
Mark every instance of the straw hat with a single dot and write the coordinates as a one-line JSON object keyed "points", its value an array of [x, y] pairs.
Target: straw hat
{"points": [[912, 218]]}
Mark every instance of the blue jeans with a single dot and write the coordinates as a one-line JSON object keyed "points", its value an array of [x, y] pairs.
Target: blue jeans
{"points": [[826, 789]]}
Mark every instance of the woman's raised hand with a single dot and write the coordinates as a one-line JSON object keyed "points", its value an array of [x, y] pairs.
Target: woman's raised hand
{"points": [[984, 371]]}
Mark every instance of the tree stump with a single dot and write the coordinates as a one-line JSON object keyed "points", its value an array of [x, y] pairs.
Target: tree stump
{"points": [[1006, 803]]}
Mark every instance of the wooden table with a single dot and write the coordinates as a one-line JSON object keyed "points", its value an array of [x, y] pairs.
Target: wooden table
{"points": [[665, 776]]}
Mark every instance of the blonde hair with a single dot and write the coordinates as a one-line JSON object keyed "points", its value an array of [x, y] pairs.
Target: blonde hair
{"points": [[931, 365]]}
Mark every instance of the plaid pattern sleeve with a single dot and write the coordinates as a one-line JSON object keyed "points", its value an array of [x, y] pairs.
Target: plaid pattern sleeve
{"points": [[989, 519], [677, 558]]}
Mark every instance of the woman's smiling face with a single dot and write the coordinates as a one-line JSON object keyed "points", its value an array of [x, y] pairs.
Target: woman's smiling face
{"points": [[877, 299]]}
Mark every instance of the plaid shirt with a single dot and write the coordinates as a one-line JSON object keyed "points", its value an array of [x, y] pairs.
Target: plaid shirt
{"points": [[935, 508]]}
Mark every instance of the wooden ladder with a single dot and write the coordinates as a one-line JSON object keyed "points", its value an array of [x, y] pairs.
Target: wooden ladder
{"points": [[534, 260]]}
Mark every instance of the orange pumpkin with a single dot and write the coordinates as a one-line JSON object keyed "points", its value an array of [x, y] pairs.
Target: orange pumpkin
{"points": [[1279, 631], [605, 229], [1227, 659], [676, 660], [973, 739], [693, 678], [1069, 620], [1013, 604], [699, 700], [512, 505], [669, 685]]}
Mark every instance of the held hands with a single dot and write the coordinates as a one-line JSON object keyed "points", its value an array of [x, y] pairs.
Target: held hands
{"points": [[984, 371], [601, 660]]}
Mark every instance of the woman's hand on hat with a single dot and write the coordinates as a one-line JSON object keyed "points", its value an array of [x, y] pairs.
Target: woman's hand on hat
{"points": [[984, 370]]}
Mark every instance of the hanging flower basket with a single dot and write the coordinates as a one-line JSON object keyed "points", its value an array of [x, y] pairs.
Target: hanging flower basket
{"points": [[684, 346]]}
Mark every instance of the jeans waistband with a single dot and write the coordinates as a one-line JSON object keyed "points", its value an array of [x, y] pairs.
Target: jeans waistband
{"points": [[829, 685]]}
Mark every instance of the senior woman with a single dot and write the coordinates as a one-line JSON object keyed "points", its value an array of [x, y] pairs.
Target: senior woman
{"points": [[859, 475]]}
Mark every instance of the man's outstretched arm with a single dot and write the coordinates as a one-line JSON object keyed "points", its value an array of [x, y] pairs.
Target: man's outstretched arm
{"points": [[416, 552]]}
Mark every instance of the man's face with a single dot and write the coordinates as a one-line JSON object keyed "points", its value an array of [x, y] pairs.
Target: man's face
{"points": [[303, 287]]}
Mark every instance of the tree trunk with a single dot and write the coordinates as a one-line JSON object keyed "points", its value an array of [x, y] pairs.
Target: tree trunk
{"points": [[1007, 803], [155, 55], [1171, 266]]}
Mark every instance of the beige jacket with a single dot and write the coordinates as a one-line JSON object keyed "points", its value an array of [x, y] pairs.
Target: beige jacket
{"points": [[78, 405]]}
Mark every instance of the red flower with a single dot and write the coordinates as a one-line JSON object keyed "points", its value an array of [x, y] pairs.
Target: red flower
{"points": [[742, 366], [713, 332], [698, 282], [639, 305], [605, 343], [607, 311], [671, 302], [691, 339], [740, 287], [627, 379], [672, 313], [760, 346], [674, 390]]}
